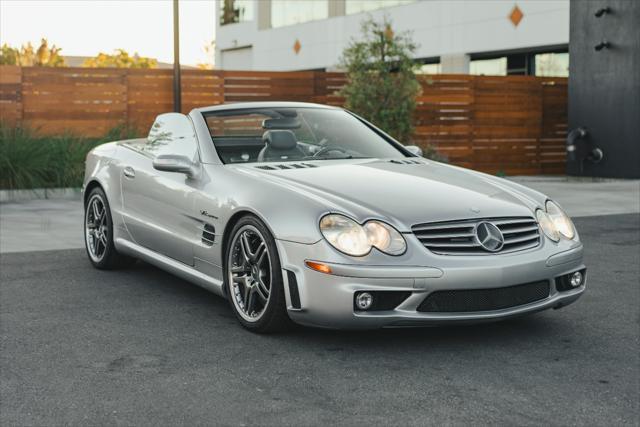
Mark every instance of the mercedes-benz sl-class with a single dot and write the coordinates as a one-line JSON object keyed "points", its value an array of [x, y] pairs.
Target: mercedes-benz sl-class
{"points": [[308, 213]]}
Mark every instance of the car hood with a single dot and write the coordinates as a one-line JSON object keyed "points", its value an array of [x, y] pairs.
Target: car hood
{"points": [[402, 192]]}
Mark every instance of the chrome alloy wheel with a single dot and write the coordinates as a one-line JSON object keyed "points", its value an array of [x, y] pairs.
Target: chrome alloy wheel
{"points": [[250, 273], [96, 228]]}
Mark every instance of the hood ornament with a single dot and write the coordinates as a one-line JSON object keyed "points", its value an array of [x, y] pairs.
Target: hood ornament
{"points": [[489, 236]]}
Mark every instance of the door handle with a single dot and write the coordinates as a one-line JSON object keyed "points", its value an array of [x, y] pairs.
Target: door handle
{"points": [[129, 172]]}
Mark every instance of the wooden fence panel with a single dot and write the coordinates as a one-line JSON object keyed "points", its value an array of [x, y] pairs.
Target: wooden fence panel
{"points": [[513, 124], [90, 101], [507, 124], [444, 116], [11, 95], [554, 126], [150, 92], [247, 86]]}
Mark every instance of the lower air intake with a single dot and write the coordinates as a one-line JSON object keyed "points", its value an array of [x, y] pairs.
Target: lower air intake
{"points": [[457, 301]]}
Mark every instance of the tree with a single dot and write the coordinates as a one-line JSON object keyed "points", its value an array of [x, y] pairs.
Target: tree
{"points": [[382, 85], [27, 56], [8, 55], [120, 59], [210, 54]]}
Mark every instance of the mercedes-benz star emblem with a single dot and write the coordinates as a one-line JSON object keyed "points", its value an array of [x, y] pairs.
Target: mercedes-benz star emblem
{"points": [[489, 236]]}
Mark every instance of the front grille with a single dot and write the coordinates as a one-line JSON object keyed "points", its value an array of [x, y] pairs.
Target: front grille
{"points": [[456, 301], [459, 237]]}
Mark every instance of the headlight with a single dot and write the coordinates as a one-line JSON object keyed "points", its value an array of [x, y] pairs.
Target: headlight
{"points": [[349, 237], [385, 237], [560, 220], [555, 222], [547, 225]]}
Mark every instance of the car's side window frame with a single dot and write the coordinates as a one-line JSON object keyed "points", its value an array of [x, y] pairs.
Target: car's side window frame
{"points": [[230, 113], [195, 157]]}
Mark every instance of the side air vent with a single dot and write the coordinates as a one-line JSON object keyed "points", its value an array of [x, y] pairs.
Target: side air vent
{"points": [[208, 234], [406, 162], [287, 166], [294, 293]]}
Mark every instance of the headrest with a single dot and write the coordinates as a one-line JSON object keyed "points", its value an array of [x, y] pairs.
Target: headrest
{"points": [[280, 139]]}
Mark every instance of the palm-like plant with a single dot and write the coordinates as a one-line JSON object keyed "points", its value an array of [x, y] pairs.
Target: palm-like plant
{"points": [[31, 161]]}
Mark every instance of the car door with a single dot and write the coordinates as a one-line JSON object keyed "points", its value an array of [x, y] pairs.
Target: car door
{"points": [[157, 205]]}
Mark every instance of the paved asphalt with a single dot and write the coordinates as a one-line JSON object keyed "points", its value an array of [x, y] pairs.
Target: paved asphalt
{"points": [[141, 347]]}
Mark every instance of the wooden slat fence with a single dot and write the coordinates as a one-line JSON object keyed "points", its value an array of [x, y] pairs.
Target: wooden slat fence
{"points": [[513, 124]]}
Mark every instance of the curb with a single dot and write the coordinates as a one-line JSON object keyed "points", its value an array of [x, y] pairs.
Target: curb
{"points": [[8, 196]]}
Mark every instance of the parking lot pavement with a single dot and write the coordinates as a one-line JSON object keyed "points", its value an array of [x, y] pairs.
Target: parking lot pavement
{"points": [[141, 347]]}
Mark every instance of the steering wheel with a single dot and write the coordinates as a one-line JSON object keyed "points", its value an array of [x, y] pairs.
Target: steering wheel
{"points": [[328, 149]]}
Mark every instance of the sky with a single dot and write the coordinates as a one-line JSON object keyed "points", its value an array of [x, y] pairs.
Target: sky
{"points": [[88, 27]]}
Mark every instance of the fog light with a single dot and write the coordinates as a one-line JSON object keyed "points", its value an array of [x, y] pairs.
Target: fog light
{"points": [[364, 300], [576, 279]]}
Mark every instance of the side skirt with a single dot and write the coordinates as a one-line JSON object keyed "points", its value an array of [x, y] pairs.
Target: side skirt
{"points": [[169, 264]]}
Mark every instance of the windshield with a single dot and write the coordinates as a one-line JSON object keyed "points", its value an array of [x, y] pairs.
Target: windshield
{"points": [[294, 134]]}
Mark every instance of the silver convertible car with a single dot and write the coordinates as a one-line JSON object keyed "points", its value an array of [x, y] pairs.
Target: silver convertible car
{"points": [[308, 213]]}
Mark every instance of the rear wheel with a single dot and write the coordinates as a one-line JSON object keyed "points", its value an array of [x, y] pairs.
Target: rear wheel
{"points": [[254, 278], [98, 233]]}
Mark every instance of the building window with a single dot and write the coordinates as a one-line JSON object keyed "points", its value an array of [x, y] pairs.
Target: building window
{"points": [[232, 11], [359, 6], [433, 68], [552, 64], [488, 67], [291, 12]]}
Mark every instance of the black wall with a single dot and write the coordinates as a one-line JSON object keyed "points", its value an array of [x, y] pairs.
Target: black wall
{"points": [[604, 86]]}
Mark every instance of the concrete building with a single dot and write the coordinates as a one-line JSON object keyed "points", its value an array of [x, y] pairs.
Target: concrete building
{"points": [[494, 37]]}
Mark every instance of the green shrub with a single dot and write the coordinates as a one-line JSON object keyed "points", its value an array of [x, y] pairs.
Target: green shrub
{"points": [[381, 83], [31, 161], [24, 162]]}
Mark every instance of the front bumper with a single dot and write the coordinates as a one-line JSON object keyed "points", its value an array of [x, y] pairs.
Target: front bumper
{"points": [[327, 300]]}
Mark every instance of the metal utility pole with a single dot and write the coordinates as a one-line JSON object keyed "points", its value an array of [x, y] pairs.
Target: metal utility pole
{"points": [[177, 95]]}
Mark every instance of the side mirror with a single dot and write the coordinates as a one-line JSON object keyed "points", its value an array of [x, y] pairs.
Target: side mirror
{"points": [[175, 163], [414, 149]]}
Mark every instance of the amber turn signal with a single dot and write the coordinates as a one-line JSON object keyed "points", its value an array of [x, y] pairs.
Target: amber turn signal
{"points": [[317, 266]]}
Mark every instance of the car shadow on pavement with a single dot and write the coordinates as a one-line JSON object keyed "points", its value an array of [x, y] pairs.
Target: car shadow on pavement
{"points": [[216, 310]]}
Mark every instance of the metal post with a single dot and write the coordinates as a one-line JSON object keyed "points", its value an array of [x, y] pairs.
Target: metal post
{"points": [[177, 95]]}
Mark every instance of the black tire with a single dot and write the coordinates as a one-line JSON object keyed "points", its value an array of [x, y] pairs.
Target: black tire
{"points": [[107, 257], [273, 316]]}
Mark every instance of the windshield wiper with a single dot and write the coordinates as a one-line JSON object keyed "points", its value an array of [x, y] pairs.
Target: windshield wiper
{"points": [[336, 158]]}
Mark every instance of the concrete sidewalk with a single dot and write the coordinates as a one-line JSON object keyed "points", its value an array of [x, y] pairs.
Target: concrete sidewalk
{"points": [[40, 225], [57, 224], [587, 197]]}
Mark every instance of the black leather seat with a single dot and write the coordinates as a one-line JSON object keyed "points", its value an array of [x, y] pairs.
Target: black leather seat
{"points": [[280, 145]]}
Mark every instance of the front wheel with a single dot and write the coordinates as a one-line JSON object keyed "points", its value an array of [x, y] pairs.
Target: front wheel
{"points": [[98, 233], [254, 278]]}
